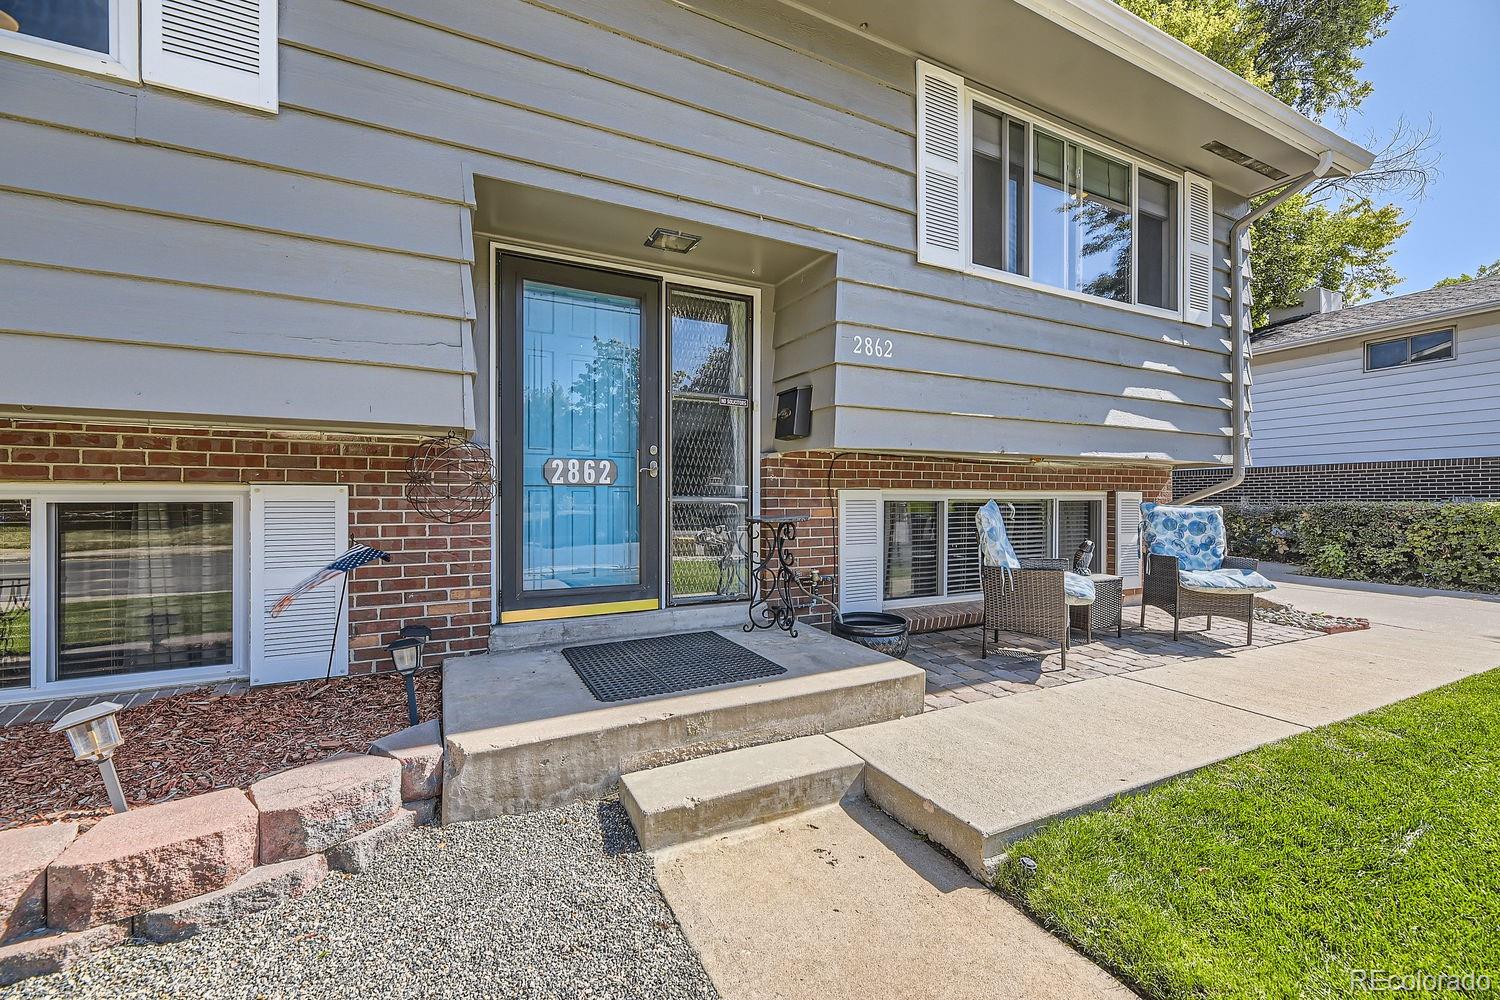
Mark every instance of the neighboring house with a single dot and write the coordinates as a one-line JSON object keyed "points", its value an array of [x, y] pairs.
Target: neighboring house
{"points": [[253, 253], [1391, 400]]}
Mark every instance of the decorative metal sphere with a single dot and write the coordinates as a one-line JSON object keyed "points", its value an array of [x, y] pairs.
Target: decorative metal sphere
{"points": [[450, 479]]}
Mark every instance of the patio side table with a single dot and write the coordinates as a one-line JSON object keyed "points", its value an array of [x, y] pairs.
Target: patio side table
{"points": [[1105, 612]]}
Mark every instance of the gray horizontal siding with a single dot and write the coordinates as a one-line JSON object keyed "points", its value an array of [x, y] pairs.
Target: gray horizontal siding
{"points": [[1319, 405], [333, 234]]}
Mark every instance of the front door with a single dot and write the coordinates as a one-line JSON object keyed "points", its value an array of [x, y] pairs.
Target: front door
{"points": [[580, 470]]}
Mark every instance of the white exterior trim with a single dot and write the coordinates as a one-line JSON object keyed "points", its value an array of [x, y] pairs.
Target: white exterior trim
{"points": [[1101, 497], [45, 494], [972, 94], [122, 62]]}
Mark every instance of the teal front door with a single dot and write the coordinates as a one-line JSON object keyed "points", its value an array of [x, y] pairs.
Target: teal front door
{"points": [[579, 359]]}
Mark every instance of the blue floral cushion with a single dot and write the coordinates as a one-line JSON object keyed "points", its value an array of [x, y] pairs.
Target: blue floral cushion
{"points": [[1078, 589], [1195, 535], [994, 544], [1224, 581]]}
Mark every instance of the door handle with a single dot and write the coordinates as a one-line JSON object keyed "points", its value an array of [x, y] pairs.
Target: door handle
{"points": [[652, 470]]}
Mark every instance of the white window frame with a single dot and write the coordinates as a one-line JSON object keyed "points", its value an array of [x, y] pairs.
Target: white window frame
{"points": [[1000, 496], [42, 498], [122, 62], [1032, 120]]}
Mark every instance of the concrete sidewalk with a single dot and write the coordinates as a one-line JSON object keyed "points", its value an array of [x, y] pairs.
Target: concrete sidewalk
{"points": [[844, 904], [1450, 612], [977, 777]]}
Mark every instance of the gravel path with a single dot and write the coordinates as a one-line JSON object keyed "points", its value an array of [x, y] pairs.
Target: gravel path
{"points": [[551, 904]]}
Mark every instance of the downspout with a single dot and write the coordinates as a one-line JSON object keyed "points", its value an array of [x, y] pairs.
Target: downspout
{"points": [[1239, 323]]}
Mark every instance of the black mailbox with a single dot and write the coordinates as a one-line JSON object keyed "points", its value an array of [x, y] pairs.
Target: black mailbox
{"points": [[794, 413]]}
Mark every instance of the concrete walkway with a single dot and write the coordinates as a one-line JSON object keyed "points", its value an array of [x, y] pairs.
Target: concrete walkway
{"points": [[977, 777], [847, 903]]}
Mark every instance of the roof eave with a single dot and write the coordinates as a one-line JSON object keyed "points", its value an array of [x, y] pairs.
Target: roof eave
{"points": [[1109, 25], [1388, 326]]}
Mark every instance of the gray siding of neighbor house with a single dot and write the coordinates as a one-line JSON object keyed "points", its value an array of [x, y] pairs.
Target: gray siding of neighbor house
{"points": [[182, 257], [1317, 405]]}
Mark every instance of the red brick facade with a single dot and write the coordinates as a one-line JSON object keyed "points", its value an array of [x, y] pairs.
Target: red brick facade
{"points": [[800, 482], [439, 574]]}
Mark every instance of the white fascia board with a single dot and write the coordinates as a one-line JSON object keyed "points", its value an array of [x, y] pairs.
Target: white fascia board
{"points": [[1114, 28]]}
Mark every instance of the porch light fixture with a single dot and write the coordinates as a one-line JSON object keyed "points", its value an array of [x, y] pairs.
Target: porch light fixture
{"points": [[406, 654], [93, 734], [671, 239]]}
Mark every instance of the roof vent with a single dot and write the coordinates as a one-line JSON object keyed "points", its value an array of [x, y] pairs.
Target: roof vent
{"points": [[1245, 160]]}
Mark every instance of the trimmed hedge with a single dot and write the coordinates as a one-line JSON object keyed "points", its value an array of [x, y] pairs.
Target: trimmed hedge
{"points": [[1453, 546]]}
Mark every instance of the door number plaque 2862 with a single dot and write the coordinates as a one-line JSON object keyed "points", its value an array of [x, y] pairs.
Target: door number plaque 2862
{"points": [[580, 471]]}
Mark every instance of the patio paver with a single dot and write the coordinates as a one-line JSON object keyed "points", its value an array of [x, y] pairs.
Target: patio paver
{"points": [[956, 675]]}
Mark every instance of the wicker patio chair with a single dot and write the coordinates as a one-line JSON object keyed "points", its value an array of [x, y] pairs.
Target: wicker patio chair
{"points": [[1218, 584], [1165, 591], [1030, 600]]}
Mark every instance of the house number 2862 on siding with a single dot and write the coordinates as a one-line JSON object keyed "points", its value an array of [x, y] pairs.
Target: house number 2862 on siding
{"points": [[874, 347], [580, 471]]}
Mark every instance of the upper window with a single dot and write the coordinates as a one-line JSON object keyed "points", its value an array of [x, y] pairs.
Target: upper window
{"points": [[225, 49], [100, 36], [1414, 350], [1067, 215], [1008, 193]]}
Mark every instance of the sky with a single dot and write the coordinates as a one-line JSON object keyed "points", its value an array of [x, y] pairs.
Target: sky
{"points": [[1440, 60]]}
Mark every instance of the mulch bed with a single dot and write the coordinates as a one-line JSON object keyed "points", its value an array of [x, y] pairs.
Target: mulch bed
{"points": [[198, 741]]}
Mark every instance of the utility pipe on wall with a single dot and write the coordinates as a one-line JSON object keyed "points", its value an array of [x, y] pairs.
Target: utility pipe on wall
{"points": [[1239, 324]]}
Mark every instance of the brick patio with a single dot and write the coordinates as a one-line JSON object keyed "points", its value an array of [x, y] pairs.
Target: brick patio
{"points": [[956, 675]]}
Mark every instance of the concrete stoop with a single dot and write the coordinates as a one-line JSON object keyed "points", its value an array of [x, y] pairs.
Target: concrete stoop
{"points": [[710, 795], [524, 734]]}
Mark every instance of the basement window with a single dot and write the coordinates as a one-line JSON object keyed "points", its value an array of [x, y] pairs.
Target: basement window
{"points": [[112, 590]]}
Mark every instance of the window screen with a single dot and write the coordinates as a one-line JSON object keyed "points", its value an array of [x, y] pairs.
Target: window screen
{"points": [[1027, 529], [15, 593], [1078, 520], [143, 587], [911, 548]]}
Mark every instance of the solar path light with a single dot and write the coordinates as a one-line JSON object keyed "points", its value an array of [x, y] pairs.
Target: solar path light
{"points": [[93, 734], [406, 654]]}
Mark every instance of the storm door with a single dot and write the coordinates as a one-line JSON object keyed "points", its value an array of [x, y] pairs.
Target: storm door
{"points": [[580, 488]]}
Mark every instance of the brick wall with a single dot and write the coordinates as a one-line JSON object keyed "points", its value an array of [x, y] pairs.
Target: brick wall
{"points": [[1432, 479], [798, 482], [439, 574]]}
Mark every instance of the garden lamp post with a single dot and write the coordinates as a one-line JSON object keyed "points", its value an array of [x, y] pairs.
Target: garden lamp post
{"points": [[406, 654], [93, 734]]}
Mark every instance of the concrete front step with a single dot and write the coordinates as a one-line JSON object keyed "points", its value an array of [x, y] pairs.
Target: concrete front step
{"points": [[728, 791], [523, 733], [515, 636]]}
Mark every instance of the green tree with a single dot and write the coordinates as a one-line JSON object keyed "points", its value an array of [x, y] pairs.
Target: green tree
{"points": [[1484, 271], [1306, 52]]}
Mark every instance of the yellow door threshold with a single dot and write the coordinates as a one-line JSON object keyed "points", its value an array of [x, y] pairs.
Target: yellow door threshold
{"points": [[577, 611]]}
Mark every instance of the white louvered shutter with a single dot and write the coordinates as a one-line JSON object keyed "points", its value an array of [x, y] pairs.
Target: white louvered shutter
{"points": [[294, 532], [224, 49], [942, 142], [1128, 538], [860, 584], [1198, 259]]}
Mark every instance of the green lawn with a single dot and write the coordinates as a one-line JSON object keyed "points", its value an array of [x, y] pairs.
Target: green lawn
{"points": [[1370, 844]]}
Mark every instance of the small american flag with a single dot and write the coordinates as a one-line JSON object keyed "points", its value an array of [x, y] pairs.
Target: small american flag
{"points": [[350, 561]]}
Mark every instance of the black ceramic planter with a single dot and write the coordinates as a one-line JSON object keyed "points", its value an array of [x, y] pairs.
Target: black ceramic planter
{"points": [[883, 632]]}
